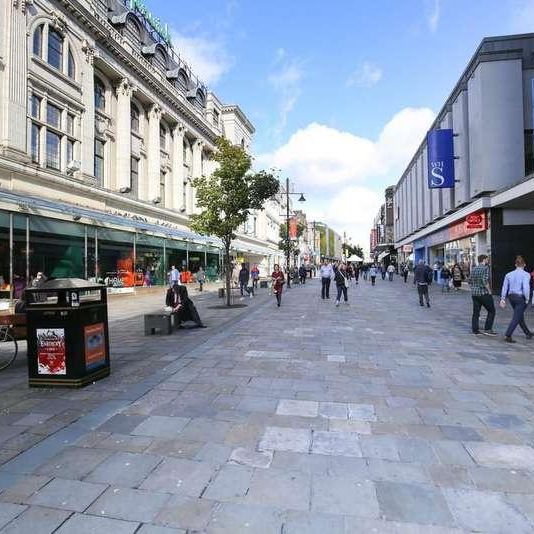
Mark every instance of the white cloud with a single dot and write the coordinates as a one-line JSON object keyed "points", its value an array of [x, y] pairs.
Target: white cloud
{"points": [[522, 17], [344, 175], [207, 57], [434, 15], [285, 80], [366, 75]]}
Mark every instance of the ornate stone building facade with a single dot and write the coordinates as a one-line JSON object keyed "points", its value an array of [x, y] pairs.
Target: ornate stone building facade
{"points": [[102, 128]]}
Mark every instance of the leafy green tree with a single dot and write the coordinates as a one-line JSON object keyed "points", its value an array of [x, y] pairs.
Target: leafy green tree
{"points": [[356, 249], [227, 197]]}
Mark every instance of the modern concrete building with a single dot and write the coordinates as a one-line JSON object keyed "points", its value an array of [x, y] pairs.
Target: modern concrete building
{"points": [[382, 247], [102, 128], [491, 208]]}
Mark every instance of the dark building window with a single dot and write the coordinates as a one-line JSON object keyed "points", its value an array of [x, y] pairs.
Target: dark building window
{"points": [[134, 118], [162, 137], [53, 116], [38, 41], [134, 175], [99, 159], [71, 65], [100, 94], [36, 107], [55, 49], [53, 150], [70, 150], [35, 141], [529, 152]]}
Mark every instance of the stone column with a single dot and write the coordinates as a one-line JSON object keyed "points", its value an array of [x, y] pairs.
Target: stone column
{"points": [[123, 136], [198, 147], [88, 115], [178, 175], [13, 80], [154, 153]]}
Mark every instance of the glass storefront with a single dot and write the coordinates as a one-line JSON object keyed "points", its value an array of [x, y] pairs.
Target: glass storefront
{"points": [[117, 258]]}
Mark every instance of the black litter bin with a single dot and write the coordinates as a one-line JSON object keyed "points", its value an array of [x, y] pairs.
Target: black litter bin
{"points": [[68, 339]]}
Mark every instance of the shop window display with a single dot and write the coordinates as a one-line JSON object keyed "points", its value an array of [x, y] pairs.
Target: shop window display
{"points": [[116, 258], [150, 260]]}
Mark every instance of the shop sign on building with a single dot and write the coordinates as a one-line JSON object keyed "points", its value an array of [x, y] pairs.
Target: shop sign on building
{"points": [[440, 159], [472, 224], [153, 23]]}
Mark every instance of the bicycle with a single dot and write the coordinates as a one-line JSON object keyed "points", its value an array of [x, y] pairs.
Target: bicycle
{"points": [[8, 347]]}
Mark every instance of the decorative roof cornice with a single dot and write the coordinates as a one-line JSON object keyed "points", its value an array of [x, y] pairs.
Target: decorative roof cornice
{"points": [[233, 108], [110, 39]]}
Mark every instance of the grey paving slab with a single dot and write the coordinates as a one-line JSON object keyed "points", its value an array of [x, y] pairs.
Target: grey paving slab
{"points": [[9, 511], [251, 458], [129, 504], [362, 412], [336, 443], [155, 529], [298, 407], [486, 512], [499, 455], [231, 483], [124, 469], [413, 503], [232, 518], [160, 426], [286, 439], [280, 489], [36, 520], [313, 523], [344, 495], [67, 494], [90, 524], [187, 513], [180, 476]]}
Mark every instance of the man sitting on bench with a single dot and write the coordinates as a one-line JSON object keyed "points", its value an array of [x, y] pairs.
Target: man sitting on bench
{"points": [[182, 306]]}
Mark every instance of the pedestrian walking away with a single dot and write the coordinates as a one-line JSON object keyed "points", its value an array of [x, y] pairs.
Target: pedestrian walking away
{"points": [[481, 297], [201, 278], [302, 274], [356, 273], [391, 272], [445, 279], [422, 278], [255, 275], [278, 281], [516, 287], [327, 274], [405, 271], [457, 277], [341, 284], [373, 271], [243, 278], [383, 271]]}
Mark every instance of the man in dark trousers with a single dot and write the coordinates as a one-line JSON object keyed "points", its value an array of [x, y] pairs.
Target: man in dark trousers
{"points": [[244, 276], [422, 278], [481, 296]]}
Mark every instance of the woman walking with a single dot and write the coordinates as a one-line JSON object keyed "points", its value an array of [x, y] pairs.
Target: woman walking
{"points": [[457, 277], [341, 283], [373, 271], [278, 283], [201, 278]]}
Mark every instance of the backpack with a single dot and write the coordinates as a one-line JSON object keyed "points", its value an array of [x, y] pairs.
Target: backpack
{"points": [[429, 276]]}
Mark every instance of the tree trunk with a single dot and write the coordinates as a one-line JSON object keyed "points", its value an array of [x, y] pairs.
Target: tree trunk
{"points": [[227, 271]]}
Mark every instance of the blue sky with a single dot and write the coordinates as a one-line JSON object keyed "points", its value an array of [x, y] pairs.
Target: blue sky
{"points": [[340, 92]]}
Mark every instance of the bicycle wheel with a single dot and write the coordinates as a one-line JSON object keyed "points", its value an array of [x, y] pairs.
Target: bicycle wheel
{"points": [[8, 350]]}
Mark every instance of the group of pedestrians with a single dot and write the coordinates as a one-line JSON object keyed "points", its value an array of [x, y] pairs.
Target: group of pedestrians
{"points": [[517, 289]]}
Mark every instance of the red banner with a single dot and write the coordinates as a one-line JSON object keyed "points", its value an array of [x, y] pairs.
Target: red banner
{"points": [[293, 228]]}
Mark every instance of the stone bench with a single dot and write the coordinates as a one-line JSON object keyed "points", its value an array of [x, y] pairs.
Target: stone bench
{"points": [[158, 323]]}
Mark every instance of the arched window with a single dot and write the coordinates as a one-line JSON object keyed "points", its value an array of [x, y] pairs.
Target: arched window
{"points": [[71, 65], [100, 94], [132, 30], [55, 49], [159, 60], [200, 100], [38, 41], [181, 81], [134, 118]]}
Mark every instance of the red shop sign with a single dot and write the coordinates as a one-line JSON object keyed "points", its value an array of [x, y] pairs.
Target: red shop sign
{"points": [[472, 224]]}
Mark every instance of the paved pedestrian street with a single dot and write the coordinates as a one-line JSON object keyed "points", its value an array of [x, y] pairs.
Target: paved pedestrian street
{"points": [[381, 416]]}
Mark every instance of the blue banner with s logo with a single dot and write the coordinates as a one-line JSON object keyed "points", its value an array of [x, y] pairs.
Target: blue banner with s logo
{"points": [[440, 159]]}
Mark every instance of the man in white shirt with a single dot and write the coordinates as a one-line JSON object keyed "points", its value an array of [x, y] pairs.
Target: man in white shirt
{"points": [[174, 276], [327, 274], [516, 287]]}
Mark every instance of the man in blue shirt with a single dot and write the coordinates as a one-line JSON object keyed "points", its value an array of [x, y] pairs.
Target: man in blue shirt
{"points": [[516, 287]]}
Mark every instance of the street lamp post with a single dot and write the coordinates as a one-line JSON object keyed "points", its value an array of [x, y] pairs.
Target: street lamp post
{"points": [[288, 246]]}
